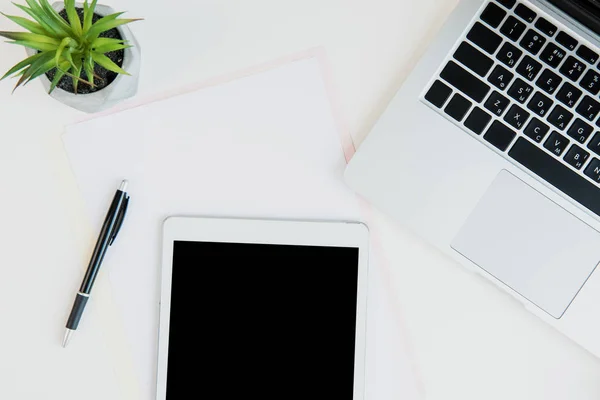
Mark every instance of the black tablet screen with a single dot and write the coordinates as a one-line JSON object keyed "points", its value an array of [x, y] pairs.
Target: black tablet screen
{"points": [[262, 321]]}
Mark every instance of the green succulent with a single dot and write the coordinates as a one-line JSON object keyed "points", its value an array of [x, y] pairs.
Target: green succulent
{"points": [[69, 46]]}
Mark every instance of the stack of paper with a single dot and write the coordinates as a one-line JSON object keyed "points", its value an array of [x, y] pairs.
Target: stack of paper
{"points": [[264, 145]]}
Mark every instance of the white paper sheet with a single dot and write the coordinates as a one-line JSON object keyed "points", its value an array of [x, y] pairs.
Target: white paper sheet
{"points": [[265, 145]]}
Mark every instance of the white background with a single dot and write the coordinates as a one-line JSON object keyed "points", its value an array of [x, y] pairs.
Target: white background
{"points": [[468, 340]]}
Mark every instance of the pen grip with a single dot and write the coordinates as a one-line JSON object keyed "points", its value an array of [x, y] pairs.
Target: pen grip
{"points": [[104, 240], [77, 311]]}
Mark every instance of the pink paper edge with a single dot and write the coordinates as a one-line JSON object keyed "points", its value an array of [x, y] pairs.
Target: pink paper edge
{"points": [[407, 347], [316, 52], [349, 150], [346, 141]]}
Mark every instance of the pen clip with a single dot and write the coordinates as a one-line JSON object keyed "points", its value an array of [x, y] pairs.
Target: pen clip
{"points": [[120, 219]]}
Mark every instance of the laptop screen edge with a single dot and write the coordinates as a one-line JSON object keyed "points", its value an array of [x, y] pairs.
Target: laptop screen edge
{"points": [[587, 12]]}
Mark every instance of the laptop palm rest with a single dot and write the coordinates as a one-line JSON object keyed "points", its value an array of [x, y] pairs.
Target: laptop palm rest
{"points": [[529, 243]]}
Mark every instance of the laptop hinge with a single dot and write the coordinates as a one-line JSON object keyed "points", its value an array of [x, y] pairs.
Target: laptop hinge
{"points": [[586, 12]]}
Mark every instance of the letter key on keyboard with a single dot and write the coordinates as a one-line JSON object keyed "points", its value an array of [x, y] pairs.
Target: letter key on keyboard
{"points": [[576, 156], [593, 170], [588, 108], [496, 103], [568, 94], [556, 143], [579, 130], [529, 68], [520, 90], [509, 54]]}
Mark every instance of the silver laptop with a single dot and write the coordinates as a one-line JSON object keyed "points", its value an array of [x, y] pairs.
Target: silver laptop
{"points": [[491, 151]]}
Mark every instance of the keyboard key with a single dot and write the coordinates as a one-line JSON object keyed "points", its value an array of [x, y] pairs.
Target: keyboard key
{"points": [[509, 54], [591, 82], [499, 135], [593, 170], [594, 144], [548, 81], [520, 91], [477, 120], [568, 94], [545, 27], [525, 13], [566, 41], [457, 107], [587, 54], [572, 68], [556, 143], [484, 37], [580, 131], [559, 117], [529, 68], [516, 116], [588, 108], [512, 28], [464, 81], [438, 93], [557, 174], [507, 3], [500, 77], [496, 103], [576, 156], [540, 104], [473, 59], [552, 55], [536, 130], [493, 15], [532, 41]]}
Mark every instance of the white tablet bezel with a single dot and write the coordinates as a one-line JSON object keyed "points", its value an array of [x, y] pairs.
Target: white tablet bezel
{"points": [[233, 230]]}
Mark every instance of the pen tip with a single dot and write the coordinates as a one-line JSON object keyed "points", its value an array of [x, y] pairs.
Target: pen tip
{"points": [[123, 186], [67, 337]]}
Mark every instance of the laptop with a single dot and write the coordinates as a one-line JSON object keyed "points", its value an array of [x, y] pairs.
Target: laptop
{"points": [[491, 152]]}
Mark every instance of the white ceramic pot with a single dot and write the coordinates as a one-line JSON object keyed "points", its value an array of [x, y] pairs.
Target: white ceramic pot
{"points": [[121, 88]]}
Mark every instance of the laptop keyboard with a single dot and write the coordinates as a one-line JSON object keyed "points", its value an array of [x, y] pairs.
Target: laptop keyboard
{"points": [[528, 87]]}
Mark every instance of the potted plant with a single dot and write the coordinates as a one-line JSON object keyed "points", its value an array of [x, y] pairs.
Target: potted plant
{"points": [[84, 54]]}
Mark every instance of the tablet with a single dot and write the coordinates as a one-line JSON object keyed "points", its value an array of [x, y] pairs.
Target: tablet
{"points": [[262, 309]]}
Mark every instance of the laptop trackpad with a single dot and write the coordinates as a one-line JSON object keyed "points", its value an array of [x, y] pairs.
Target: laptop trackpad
{"points": [[530, 244]]}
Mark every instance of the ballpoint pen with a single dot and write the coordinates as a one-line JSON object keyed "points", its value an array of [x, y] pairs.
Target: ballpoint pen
{"points": [[110, 229]]}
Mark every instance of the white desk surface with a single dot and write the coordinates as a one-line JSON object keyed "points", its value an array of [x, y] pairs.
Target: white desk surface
{"points": [[468, 340]]}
